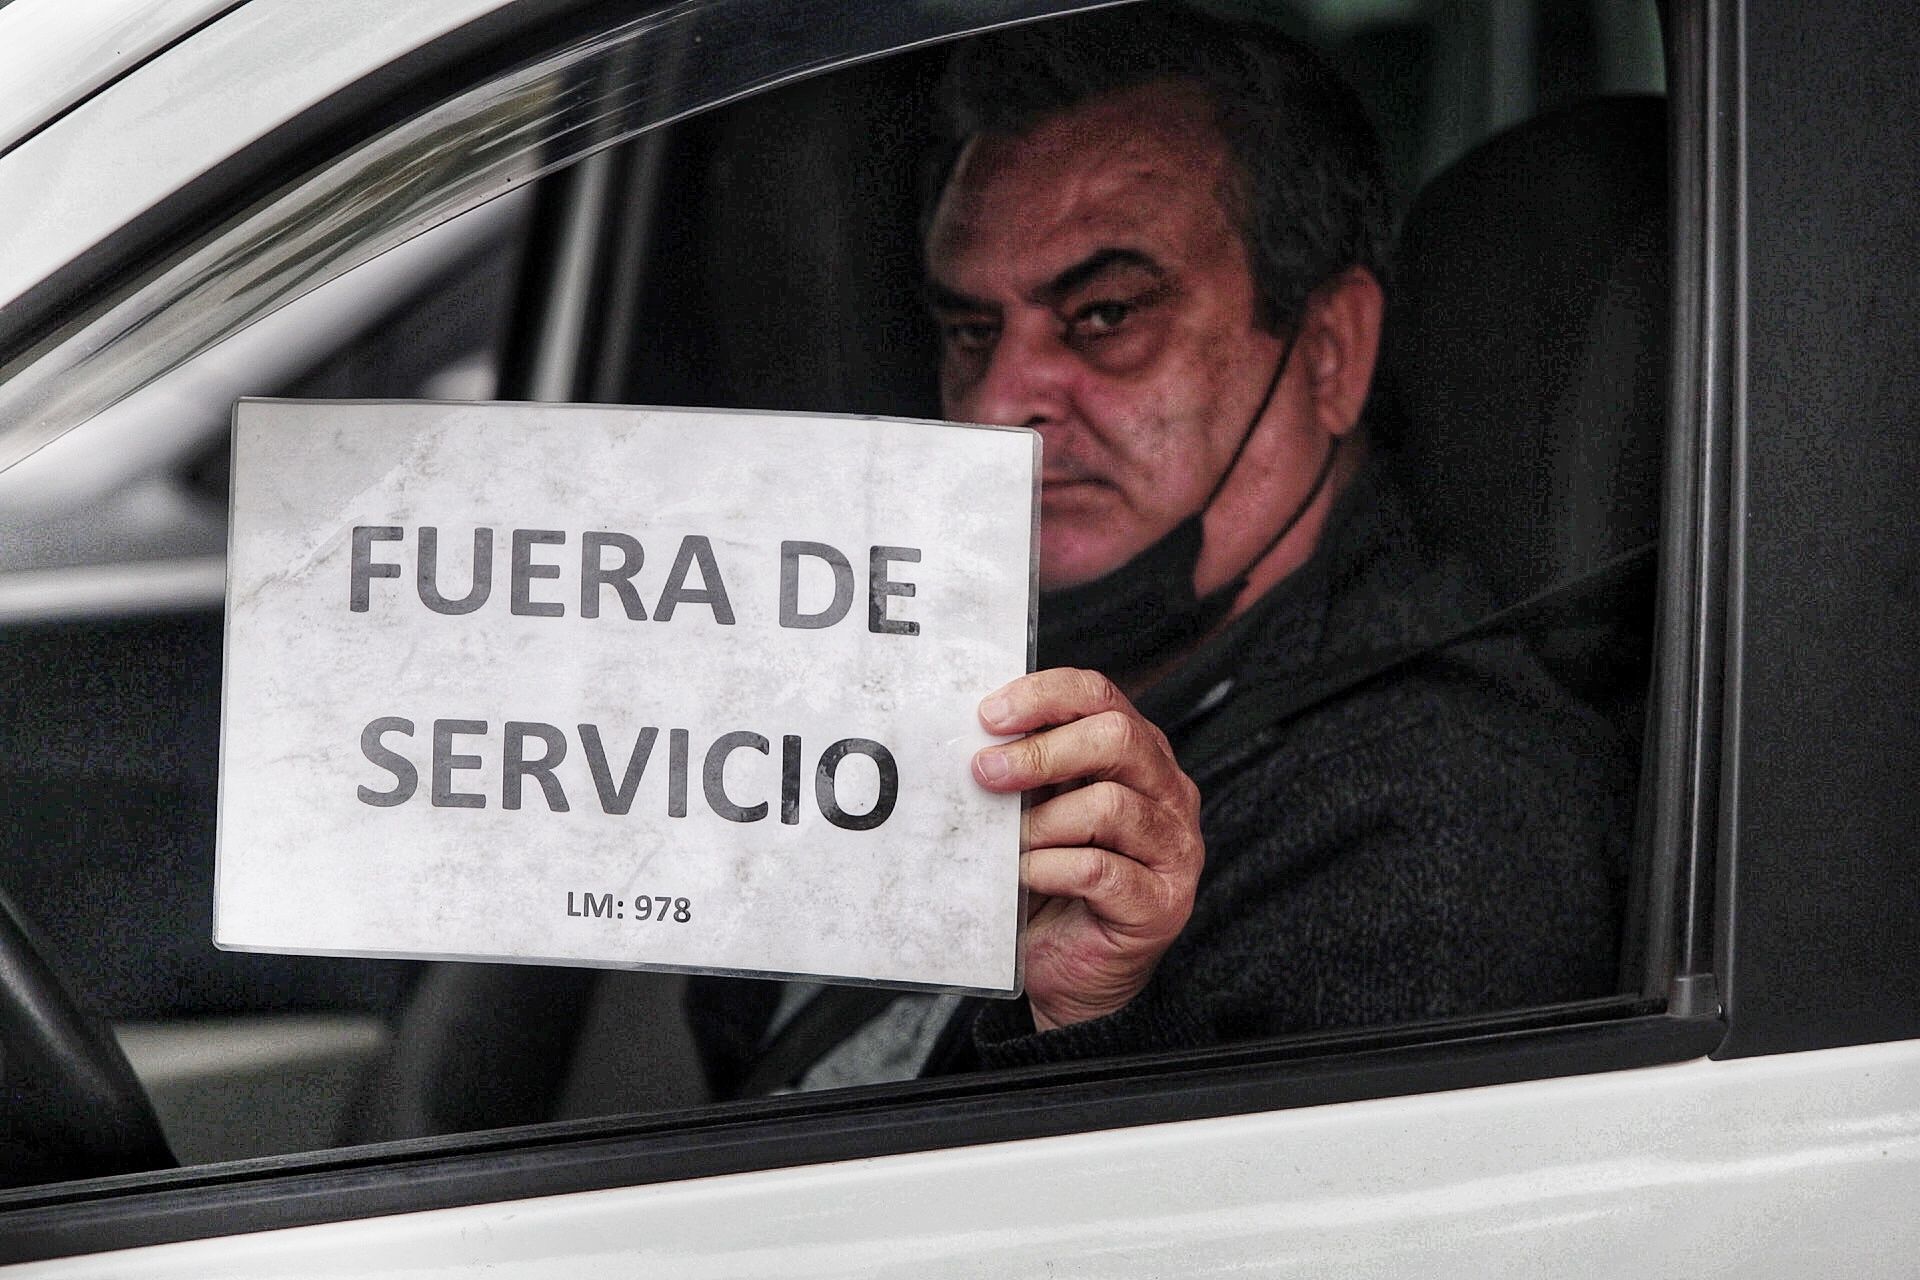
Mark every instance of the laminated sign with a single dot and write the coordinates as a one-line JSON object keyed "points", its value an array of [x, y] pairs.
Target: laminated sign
{"points": [[650, 688]]}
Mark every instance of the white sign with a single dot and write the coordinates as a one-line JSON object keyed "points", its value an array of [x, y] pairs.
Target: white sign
{"points": [[628, 687]]}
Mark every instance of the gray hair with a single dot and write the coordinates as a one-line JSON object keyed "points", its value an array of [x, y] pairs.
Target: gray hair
{"points": [[1307, 186]]}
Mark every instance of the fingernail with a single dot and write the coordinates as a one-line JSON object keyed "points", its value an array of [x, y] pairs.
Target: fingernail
{"points": [[993, 765], [995, 709]]}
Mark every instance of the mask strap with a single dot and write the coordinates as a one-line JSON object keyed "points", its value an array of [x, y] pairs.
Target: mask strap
{"points": [[1235, 587], [1273, 385], [1319, 483]]}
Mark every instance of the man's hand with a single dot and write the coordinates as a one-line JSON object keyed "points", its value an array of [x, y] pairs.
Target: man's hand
{"points": [[1112, 855]]}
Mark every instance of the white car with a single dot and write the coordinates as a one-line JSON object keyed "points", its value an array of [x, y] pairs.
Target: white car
{"points": [[711, 202]]}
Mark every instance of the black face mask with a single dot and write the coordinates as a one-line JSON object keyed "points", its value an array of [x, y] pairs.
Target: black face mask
{"points": [[1145, 611]]}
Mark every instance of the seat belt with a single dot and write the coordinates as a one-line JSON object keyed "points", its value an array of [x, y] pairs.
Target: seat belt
{"points": [[838, 1011], [815, 1030], [1248, 729]]}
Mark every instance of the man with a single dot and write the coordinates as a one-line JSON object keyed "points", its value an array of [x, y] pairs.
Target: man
{"points": [[1159, 242]]}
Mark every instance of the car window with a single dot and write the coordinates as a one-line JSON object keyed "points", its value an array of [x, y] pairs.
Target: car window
{"points": [[759, 253]]}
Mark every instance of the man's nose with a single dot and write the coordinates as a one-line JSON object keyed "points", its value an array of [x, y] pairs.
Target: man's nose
{"points": [[1026, 382]]}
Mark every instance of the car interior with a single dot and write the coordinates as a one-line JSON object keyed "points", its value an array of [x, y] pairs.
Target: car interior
{"points": [[764, 255]]}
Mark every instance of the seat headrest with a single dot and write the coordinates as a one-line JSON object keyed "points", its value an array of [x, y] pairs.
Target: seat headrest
{"points": [[1525, 359]]}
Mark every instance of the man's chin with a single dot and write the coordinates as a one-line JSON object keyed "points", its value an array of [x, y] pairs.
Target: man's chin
{"points": [[1060, 571], [1077, 535]]}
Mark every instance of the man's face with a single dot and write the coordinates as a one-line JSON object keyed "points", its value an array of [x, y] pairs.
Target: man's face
{"points": [[1089, 283]]}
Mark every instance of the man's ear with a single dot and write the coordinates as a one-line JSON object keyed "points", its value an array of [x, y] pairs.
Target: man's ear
{"points": [[1341, 341]]}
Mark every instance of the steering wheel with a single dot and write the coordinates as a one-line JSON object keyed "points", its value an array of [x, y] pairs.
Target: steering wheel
{"points": [[72, 1105]]}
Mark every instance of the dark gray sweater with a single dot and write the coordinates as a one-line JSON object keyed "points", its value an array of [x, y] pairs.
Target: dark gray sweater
{"points": [[1447, 840]]}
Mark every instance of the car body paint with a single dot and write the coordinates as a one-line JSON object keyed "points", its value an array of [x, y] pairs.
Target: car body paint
{"points": [[1787, 1166]]}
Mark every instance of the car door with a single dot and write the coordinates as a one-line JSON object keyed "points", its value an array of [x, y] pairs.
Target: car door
{"points": [[1743, 1105]]}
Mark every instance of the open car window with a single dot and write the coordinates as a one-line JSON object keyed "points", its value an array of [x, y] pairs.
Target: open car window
{"points": [[687, 204]]}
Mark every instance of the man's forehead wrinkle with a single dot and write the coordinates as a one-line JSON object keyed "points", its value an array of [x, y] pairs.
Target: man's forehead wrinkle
{"points": [[1179, 112], [1140, 132], [1112, 191], [1097, 164], [1116, 173]]}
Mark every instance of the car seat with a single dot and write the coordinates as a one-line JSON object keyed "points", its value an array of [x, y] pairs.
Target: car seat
{"points": [[1524, 372], [1523, 386]]}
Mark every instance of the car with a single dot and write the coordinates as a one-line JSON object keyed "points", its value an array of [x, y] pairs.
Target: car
{"points": [[710, 202]]}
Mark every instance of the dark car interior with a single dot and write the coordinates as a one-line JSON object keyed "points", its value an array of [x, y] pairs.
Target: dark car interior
{"points": [[764, 255]]}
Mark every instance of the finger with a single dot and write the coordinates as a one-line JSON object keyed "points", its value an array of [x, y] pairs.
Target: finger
{"points": [[1107, 815], [1109, 745], [1054, 696], [1124, 896]]}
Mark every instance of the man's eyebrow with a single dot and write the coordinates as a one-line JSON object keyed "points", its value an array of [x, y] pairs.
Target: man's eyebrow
{"points": [[1095, 264], [940, 297]]}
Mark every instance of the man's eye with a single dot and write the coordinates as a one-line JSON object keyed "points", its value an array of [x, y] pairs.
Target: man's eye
{"points": [[969, 335], [1098, 319]]}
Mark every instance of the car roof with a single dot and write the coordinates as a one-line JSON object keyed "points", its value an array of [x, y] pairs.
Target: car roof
{"points": [[112, 155], [115, 105], [55, 54]]}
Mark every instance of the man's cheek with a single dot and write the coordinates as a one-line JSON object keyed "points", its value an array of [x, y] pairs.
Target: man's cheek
{"points": [[958, 377]]}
